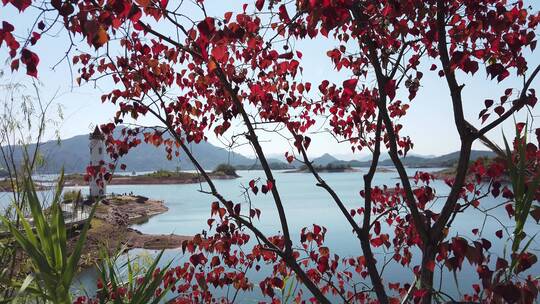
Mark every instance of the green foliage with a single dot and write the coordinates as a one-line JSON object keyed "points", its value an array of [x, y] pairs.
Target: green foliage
{"points": [[524, 187], [290, 284], [137, 286], [331, 167], [225, 169], [45, 244], [169, 174], [72, 195]]}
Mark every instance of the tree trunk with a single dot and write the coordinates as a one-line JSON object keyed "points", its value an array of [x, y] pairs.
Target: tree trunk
{"points": [[426, 273], [374, 275]]}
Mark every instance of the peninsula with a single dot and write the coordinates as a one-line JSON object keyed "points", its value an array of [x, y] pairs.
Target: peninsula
{"points": [[110, 228]]}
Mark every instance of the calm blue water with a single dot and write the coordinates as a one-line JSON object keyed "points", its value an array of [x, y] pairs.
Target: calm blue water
{"points": [[305, 204]]}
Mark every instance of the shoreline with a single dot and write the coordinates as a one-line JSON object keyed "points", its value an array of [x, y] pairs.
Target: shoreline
{"points": [[111, 228], [346, 170], [77, 180], [341, 170]]}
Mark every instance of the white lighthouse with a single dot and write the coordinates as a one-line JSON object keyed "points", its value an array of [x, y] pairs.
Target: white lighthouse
{"points": [[97, 160]]}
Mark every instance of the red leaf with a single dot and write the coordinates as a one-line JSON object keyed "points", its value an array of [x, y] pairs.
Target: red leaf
{"points": [[206, 27], [471, 66], [259, 4], [503, 75], [7, 27], [197, 259], [35, 38], [215, 261], [20, 4], [377, 242], [459, 246], [15, 65], [286, 56], [316, 229], [495, 70], [227, 16], [269, 185], [220, 53], [387, 10], [430, 265], [499, 110], [289, 157], [525, 261], [501, 264], [31, 60], [509, 292], [390, 89], [509, 209], [283, 14], [322, 264], [349, 86], [100, 38], [377, 228], [536, 214]]}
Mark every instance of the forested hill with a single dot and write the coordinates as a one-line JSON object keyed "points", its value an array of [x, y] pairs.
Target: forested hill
{"points": [[73, 154]]}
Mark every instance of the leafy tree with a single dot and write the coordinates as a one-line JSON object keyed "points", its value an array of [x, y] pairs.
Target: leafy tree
{"points": [[226, 169], [244, 67]]}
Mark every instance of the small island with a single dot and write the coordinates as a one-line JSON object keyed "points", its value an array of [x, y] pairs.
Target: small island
{"points": [[329, 168], [162, 177], [274, 165]]}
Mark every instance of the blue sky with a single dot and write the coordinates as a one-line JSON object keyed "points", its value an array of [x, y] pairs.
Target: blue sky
{"points": [[429, 121]]}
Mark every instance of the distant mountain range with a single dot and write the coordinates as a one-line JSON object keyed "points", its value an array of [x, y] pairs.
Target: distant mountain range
{"points": [[73, 155], [447, 160]]}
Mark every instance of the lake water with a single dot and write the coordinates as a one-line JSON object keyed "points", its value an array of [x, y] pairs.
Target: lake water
{"points": [[305, 204]]}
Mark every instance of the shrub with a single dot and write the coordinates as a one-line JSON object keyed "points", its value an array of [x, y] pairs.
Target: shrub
{"points": [[72, 196], [226, 169], [52, 267]]}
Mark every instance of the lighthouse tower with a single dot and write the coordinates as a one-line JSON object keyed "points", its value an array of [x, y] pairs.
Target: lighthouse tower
{"points": [[97, 152]]}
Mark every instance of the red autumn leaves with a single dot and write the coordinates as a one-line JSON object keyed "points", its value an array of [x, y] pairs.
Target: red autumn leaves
{"points": [[21, 5], [31, 60], [27, 57], [264, 188], [225, 63]]}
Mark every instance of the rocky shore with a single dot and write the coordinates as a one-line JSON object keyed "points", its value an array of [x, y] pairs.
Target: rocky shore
{"points": [[110, 228]]}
